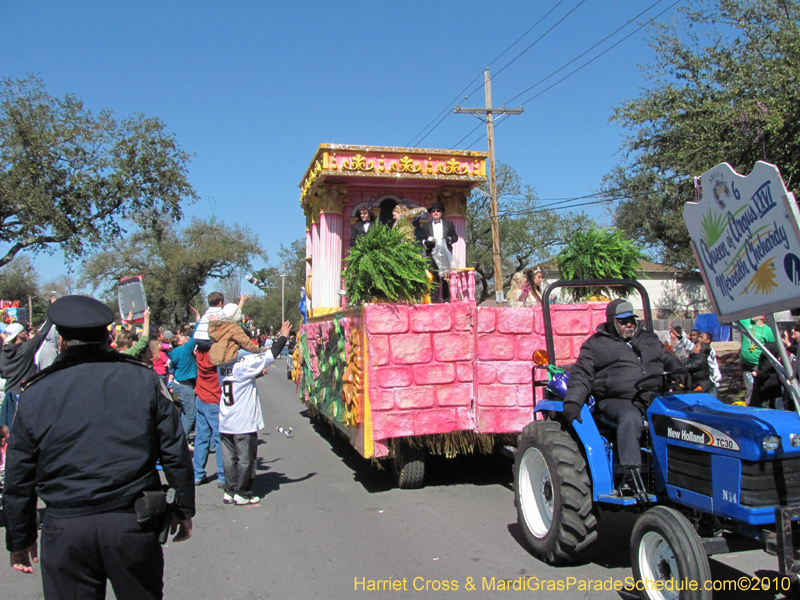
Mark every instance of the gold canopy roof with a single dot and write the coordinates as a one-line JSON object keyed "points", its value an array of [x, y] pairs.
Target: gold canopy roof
{"points": [[382, 165]]}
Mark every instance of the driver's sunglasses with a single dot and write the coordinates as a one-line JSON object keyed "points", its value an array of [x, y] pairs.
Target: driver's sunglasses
{"points": [[627, 321]]}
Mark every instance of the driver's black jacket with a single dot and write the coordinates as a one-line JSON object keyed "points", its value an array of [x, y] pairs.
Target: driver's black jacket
{"points": [[607, 366]]}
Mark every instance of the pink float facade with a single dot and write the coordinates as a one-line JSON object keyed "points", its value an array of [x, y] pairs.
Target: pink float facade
{"points": [[386, 372], [341, 179], [444, 368]]}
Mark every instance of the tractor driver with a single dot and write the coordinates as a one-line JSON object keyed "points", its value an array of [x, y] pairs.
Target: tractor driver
{"points": [[618, 354]]}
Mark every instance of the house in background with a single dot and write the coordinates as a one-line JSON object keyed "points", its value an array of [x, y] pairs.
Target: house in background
{"points": [[673, 292]]}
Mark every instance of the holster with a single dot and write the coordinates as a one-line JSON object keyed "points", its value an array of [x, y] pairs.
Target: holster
{"points": [[154, 511]]}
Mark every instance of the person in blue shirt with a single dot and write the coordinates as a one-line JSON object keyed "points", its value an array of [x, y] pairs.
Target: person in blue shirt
{"points": [[183, 377]]}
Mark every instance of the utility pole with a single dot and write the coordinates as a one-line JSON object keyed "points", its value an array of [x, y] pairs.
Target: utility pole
{"points": [[488, 117], [283, 306]]}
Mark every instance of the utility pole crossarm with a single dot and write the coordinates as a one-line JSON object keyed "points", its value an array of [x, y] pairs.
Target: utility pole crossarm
{"points": [[494, 111]]}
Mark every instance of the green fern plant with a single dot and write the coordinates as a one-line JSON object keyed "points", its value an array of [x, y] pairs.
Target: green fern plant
{"points": [[599, 253], [384, 264]]}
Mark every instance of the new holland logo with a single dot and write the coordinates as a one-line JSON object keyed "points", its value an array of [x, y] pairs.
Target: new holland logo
{"points": [[692, 432]]}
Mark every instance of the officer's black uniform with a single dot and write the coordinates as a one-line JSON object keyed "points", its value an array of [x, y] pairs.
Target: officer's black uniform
{"points": [[88, 432]]}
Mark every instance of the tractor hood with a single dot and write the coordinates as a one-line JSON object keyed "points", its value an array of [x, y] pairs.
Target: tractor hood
{"points": [[703, 422]]}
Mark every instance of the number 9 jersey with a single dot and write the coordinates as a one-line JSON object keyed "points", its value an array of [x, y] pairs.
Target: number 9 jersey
{"points": [[239, 408]]}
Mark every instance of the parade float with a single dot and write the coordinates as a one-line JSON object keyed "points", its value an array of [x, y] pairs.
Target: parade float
{"points": [[404, 379]]}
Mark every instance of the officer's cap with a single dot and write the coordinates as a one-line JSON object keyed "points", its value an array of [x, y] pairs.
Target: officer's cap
{"points": [[81, 318]]}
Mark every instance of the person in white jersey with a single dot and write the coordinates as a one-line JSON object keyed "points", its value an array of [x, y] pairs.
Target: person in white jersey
{"points": [[240, 419]]}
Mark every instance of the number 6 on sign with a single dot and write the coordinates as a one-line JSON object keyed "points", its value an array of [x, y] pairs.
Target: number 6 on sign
{"points": [[227, 391]]}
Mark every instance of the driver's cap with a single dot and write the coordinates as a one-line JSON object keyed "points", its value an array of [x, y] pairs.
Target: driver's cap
{"points": [[620, 309]]}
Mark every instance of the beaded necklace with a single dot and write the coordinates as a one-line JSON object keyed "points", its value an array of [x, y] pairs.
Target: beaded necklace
{"points": [[760, 335]]}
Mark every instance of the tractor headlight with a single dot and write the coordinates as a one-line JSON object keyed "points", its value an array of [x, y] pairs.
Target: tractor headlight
{"points": [[771, 442]]}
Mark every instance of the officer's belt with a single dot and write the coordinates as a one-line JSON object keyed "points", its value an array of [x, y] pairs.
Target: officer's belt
{"points": [[124, 504]]}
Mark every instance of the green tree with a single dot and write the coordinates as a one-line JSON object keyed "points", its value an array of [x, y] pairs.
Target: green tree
{"points": [[265, 311], [62, 285], [69, 177], [723, 88], [230, 286], [20, 281], [176, 264], [598, 253], [530, 234]]}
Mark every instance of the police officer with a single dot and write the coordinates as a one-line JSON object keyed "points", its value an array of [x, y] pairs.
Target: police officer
{"points": [[88, 432]]}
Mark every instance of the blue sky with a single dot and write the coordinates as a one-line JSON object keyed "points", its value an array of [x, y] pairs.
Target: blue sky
{"points": [[252, 88]]}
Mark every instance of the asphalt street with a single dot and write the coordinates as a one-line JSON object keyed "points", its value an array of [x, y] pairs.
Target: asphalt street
{"points": [[331, 522]]}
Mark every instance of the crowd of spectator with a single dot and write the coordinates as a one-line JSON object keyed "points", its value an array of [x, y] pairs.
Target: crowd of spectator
{"points": [[189, 362], [756, 373]]}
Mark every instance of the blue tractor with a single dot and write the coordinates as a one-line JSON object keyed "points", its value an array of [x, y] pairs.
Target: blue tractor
{"points": [[711, 472]]}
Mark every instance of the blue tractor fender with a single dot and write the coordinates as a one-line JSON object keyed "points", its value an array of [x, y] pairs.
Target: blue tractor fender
{"points": [[594, 447]]}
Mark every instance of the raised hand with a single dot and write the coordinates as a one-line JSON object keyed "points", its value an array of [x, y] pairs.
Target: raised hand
{"points": [[286, 328]]}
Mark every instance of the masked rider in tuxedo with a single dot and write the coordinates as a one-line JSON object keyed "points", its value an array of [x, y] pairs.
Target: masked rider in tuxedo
{"points": [[438, 229]]}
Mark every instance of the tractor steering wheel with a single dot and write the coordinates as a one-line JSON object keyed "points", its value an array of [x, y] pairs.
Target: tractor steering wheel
{"points": [[664, 383]]}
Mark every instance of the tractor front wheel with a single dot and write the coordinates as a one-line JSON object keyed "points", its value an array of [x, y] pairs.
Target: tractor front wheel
{"points": [[666, 553], [553, 494]]}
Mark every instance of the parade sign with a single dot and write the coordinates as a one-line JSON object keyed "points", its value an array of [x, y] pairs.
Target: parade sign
{"points": [[746, 241], [131, 297]]}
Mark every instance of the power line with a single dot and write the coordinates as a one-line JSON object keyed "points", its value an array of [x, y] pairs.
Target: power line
{"points": [[606, 196], [562, 201], [446, 112], [539, 209], [587, 62], [536, 41], [469, 134], [499, 120], [615, 193], [603, 52], [527, 32], [547, 207], [628, 22]]}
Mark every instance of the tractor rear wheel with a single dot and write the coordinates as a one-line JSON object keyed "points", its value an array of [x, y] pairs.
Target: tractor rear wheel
{"points": [[665, 548], [553, 494]]}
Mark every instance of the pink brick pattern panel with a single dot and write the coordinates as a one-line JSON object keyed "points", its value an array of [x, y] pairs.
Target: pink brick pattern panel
{"points": [[439, 368], [421, 368], [506, 340]]}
